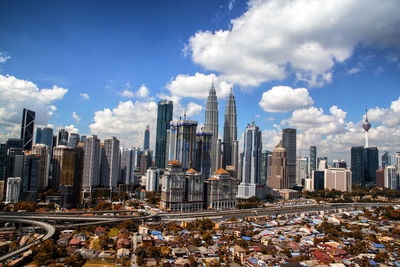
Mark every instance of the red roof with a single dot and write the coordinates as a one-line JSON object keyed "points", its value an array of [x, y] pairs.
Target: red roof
{"points": [[322, 257]]}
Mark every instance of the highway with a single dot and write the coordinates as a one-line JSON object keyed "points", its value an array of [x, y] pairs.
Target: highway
{"points": [[50, 230]]}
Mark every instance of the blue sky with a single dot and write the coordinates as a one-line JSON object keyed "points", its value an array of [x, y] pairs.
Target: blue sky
{"points": [[312, 65]]}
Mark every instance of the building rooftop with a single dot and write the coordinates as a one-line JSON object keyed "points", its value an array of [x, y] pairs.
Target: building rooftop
{"points": [[221, 171], [174, 163]]}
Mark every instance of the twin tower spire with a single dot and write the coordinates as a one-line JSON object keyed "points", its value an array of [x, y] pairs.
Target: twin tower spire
{"points": [[230, 145]]}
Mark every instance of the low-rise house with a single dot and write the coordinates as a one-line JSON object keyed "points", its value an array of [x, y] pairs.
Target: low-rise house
{"points": [[123, 252], [100, 230], [179, 252]]}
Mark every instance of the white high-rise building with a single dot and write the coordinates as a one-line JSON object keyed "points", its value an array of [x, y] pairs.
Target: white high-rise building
{"points": [[91, 163], [126, 165], [110, 164], [152, 180], [211, 124], [251, 170], [13, 189], [301, 170], [391, 178], [338, 178]]}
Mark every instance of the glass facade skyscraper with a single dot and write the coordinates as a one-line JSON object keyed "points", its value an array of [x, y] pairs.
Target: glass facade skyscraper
{"points": [[289, 143], [164, 117], [313, 159], [146, 143], [364, 163], [44, 135], [27, 126]]}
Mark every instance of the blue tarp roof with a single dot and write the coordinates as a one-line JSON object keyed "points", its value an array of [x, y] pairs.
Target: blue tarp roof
{"points": [[247, 238], [373, 263], [155, 232], [160, 237], [378, 245]]}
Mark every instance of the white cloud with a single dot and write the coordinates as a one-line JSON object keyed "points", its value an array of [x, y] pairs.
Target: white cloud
{"points": [[197, 86], [16, 94], [76, 117], [127, 122], [353, 71], [84, 95], [71, 128], [389, 116], [284, 99], [379, 70], [142, 91], [3, 57], [275, 39], [193, 109]]}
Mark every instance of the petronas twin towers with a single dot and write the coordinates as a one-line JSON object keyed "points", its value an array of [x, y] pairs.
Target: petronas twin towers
{"points": [[230, 143]]}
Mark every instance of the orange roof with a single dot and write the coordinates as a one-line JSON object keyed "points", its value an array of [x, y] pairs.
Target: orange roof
{"points": [[221, 171], [191, 170], [213, 179], [174, 163]]}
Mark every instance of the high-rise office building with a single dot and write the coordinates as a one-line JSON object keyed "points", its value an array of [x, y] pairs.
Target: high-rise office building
{"points": [[380, 178], [289, 143], [318, 180], [313, 159], [91, 168], [13, 189], [15, 162], [63, 167], [31, 177], [153, 177], [391, 179], [230, 133], [264, 170], [146, 143], [27, 127], [73, 140], [182, 142], [338, 178], [211, 124], [364, 163], [357, 165], [164, 117], [44, 135], [371, 164], [386, 159], [62, 137], [301, 170], [322, 163], [126, 165], [110, 163], [278, 178], [203, 153], [339, 164], [3, 157], [251, 165]]}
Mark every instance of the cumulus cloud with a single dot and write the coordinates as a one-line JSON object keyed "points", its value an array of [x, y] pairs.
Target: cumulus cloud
{"points": [[127, 122], [4, 58], [71, 128], [275, 39], [84, 95], [198, 85], [193, 109], [76, 117], [142, 92], [353, 71], [389, 116], [16, 94], [284, 99]]}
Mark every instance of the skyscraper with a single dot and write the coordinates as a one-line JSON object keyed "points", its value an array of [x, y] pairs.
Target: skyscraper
{"points": [[31, 177], [230, 132], [146, 143], [164, 117], [313, 159], [44, 135], [289, 143], [126, 165], [43, 174], [337, 178], [371, 164], [357, 165], [386, 159], [265, 162], [182, 142], [391, 179], [278, 178], [251, 165], [91, 167], [110, 165], [13, 189], [73, 140], [63, 166], [211, 124], [62, 137], [27, 126], [301, 170], [203, 153]]}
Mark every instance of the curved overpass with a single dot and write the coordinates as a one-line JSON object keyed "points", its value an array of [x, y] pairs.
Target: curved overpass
{"points": [[49, 229]]}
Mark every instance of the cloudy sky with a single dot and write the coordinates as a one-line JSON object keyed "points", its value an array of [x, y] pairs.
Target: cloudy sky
{"points": [[100, 67]]}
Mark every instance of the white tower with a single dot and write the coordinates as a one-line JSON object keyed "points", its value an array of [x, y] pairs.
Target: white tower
{"points": [[366, 125]]}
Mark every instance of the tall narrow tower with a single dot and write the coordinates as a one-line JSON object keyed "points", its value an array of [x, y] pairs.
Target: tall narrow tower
{"points": [[211, 124], [27, 126], [146, 143], [366, 125], [230, 132], [289, 143], [164, 117]]}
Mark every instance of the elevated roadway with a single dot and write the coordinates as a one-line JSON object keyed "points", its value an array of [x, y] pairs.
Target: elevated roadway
{"points": [[50, 230]]}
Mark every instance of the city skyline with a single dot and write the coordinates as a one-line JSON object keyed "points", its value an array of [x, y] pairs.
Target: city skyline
{"points": [[96, 84]]}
